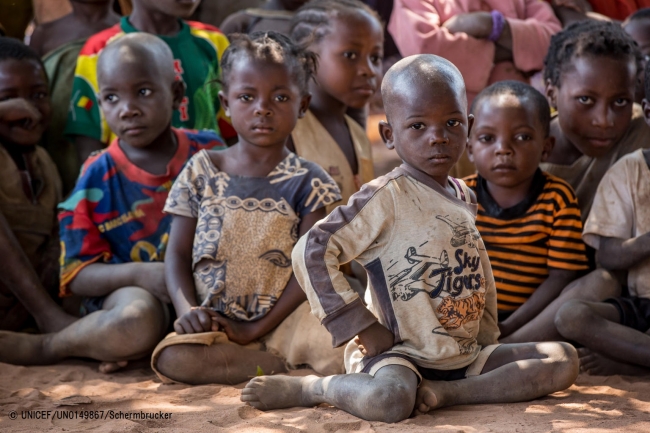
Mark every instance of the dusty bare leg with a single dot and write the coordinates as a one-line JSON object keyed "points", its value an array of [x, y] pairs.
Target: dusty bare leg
{"points": [[220, 363], [19, 277], [596, 326], [128, 327], [389, 396], [513, 373], [595, 286]]}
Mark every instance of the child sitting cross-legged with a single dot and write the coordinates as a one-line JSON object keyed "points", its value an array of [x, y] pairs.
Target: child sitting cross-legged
{"points": [[113, 230], [528, 219], [237, 215], [615, 333], [429, 336]]}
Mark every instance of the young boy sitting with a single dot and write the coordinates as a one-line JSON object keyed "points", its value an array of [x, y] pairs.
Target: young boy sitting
{"points": [[528, 219], [197, 49], [432, 300], [113, 230], [30, 189], [616, 333]]}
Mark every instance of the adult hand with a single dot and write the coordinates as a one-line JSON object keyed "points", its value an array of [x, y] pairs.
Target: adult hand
{"points": [[374, 340], [238, 332], [198, 319], [151, 277], [19, 109], [475, 24]]}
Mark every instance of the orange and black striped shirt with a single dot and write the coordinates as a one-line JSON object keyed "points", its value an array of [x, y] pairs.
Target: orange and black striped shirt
{"points": [[524, 241]]}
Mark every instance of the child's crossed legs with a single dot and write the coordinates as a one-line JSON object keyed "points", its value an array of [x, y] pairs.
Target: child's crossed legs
{"points": [[512, 373]]}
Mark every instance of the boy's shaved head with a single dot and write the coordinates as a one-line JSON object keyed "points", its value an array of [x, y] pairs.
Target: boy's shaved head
{"points": [[142, 48], [407, 78]]}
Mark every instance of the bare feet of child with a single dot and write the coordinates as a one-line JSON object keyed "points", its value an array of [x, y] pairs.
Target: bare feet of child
{"points": [[426, 399], [277, 392], [25, 349], [108, 367], [596, 364]]}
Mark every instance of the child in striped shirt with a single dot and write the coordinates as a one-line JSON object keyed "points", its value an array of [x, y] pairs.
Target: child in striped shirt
{"points": [[528, 219]]}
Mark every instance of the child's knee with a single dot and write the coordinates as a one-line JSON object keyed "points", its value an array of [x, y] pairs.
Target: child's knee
{"points": [[571, 319], [566, 364], [390, 403], [142, 320]]}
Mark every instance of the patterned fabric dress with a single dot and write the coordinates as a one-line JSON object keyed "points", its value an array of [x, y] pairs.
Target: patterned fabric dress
{"points": [[246, 229]]}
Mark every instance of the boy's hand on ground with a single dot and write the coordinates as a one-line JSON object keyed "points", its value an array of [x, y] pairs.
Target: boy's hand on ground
{"points": [[198, 319], [238, 332], [151, 277], [475, 24], [375, 340], [19, 109]]}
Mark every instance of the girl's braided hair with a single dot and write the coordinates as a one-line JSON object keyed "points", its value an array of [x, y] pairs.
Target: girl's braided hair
{"points": [[272, 47], [589, 37], [312, 21]]}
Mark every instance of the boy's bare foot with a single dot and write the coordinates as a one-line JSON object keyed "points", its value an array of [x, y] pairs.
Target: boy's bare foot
{"points": [[596, 364], [278, 392], [25, 349], [108, 367], [426, 399]]}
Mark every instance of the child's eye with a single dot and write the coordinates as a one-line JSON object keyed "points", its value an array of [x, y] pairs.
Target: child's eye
{"points": [[376, 59], [523, 137], [245, 98], [39, 95], [281, 98], [586, 100], [417, 126], [621, 102], [350, 55], [453, 123], [111, 97], [145, 92], [485, 138]]}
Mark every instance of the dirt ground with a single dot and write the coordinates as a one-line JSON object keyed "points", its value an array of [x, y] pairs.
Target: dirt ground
{"points": [[76, 388]]}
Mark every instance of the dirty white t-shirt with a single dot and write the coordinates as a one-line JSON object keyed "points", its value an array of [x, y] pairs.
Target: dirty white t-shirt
{"points": [[621, 209]]}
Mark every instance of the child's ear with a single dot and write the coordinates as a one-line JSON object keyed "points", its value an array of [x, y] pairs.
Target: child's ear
{"points": [[551, 94], [549, 144], [470, 151], [304, 105], [646, 110], [386, 132], [224, 102], [178, 91], [470, 124]]}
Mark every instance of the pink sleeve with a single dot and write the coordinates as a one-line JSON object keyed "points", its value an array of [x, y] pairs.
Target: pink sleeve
{"points": [[415, 26], [531, 36]]}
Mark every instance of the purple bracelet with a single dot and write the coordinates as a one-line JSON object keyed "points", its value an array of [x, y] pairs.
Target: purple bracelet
{"points": [[498, 23]]}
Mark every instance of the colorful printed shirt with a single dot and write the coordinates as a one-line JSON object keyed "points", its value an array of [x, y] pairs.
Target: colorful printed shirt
{"points": [[429, 276], [197, 50], [246, 228], [525, 241], [114, 214]]}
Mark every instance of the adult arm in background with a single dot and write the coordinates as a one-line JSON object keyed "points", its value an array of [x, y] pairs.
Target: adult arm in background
{"points": [[417, 28]]}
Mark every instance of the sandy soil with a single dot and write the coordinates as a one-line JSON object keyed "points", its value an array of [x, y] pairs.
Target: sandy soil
{"points": [[593, 404]]}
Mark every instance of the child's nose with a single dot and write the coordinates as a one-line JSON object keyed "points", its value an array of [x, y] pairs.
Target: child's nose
{"points": [[128, 110], [262, 109], [367, 68], [438, 136], [503, 147], [603, 118]]}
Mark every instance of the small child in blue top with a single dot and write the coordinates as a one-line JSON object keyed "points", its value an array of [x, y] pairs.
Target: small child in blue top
{"points": [[237, 213]]}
